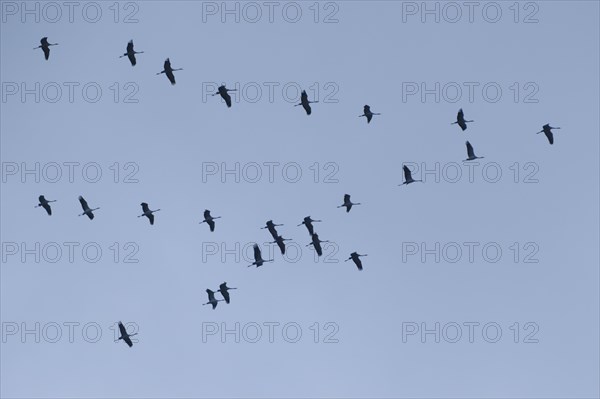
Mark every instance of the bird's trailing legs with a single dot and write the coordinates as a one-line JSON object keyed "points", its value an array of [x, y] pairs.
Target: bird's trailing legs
{"points": [[212, 218], [216, 300], [129, 335], [91, 210], [254, 263], [150, 212], [359, 255], [542, 131], [38, 205]]}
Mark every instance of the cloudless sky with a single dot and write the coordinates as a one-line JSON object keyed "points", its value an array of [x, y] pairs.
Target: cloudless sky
{"points": [[164, 144]]}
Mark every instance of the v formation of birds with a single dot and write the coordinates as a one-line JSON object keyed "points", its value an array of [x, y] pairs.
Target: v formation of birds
{"points": [[210, 220]]}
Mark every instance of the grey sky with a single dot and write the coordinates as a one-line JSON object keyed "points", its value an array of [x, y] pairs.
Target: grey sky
{"points": [[372, 55]]}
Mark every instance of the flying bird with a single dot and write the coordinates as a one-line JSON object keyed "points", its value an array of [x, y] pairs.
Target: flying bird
{"points": [[147, 212], [305, 103], [271, 227], [367, 112], [45, 46], [169, 71], [280, 243], [131, 53], [209, 219], [471, 154], [211, 299], [86, 209], [223, 288], [408, 176], [124, 335], [547, 130], [347, 203], [356, 259], [258, 260], [316, 242], [308, 223], [223, 92], [460, 119], [44, 203]]}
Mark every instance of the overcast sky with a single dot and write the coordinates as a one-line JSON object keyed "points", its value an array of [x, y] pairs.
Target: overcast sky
{"points": [[86, 122]]}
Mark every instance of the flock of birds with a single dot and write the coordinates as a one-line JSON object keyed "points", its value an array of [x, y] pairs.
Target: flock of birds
{"points": [[223, 91]]}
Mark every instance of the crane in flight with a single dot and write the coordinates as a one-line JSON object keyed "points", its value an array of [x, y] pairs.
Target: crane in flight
{"points": [[222, 90], [211, 299], [131, 53], [308, 223], [168, 70], [45, 46], [367, 113], [408, 176], [223, 288], [258, 260], [44, 203], [86, 209], [280, 243], [356, 259], [347, 203], [547, 130], [305, 103], [316, 243], [460, 119], [271, 227], [148, 213], [209, 220], [124, 335], [471, 154]]}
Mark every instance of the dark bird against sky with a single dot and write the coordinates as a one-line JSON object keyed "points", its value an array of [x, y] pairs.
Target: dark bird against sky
{"points": [[45, 204], [131, 53], [45, 46]]}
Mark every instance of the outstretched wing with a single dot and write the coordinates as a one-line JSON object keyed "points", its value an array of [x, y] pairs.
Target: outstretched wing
{"points": [[46, 206], [211, 224], [257, 254], [358, 263], [145, 207], [227, 99], [470, 151], [407, 175], [307, 108], [550, 136], [225, 295], [83, 203]]}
